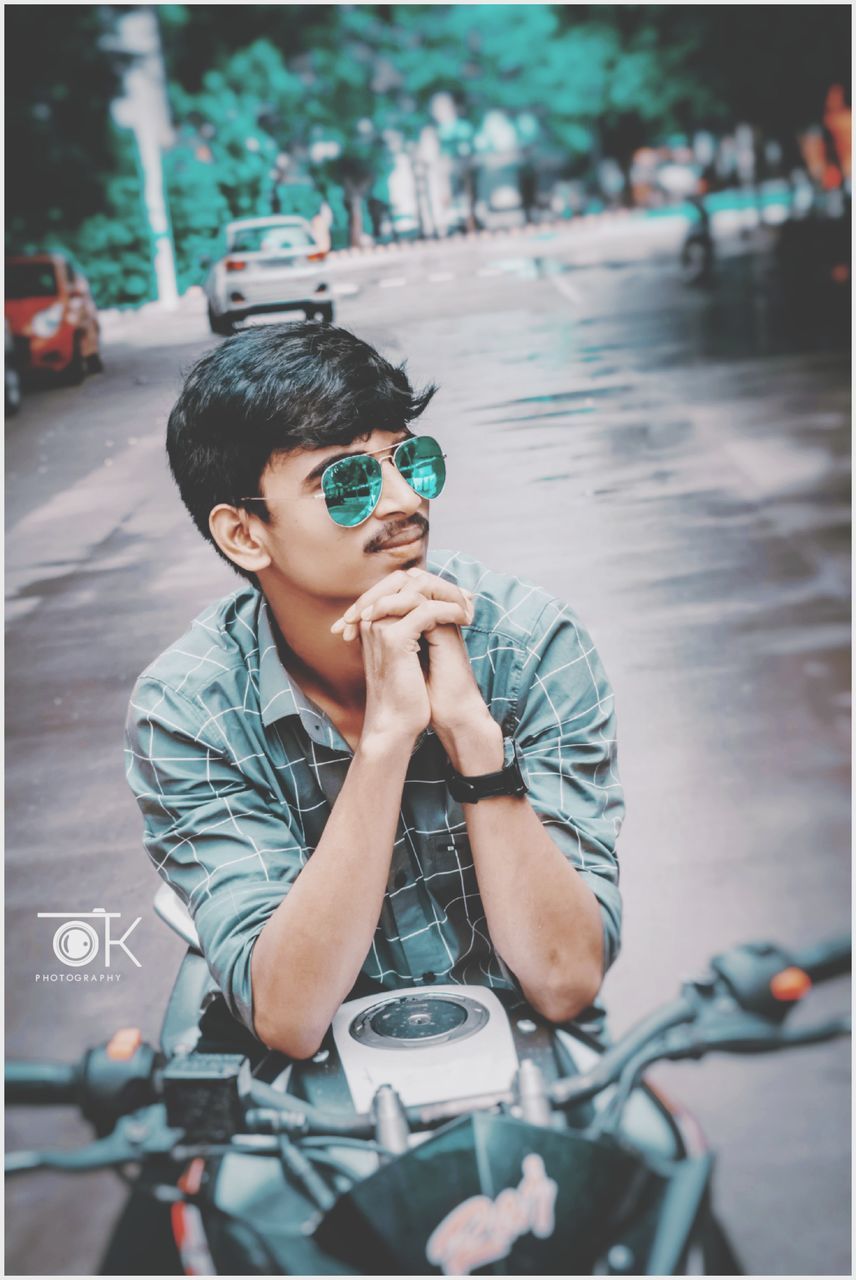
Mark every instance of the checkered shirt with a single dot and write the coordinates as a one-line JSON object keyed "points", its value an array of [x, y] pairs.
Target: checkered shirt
{"points": [[236, 770]]}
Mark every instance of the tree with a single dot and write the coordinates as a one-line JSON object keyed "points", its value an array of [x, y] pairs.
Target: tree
{"points": [[771, 74], [716, 66], [299, 90], [60, 141], [347, 118], [592, 85], [319, 110], [199, 37], [198, 208], [114, 246], [73, 180]]}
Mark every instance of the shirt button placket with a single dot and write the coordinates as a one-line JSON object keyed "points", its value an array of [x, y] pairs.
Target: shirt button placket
{"points": [[411, 917]]}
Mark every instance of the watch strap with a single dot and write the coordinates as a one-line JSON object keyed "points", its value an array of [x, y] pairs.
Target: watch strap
{"points": [[507, 781]]}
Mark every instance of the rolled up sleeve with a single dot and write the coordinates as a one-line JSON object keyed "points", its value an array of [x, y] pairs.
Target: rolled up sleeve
{"points": [[566, 731], [229, 851]]}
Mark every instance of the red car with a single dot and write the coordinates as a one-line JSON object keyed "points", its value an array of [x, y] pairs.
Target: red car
{"points": [[53, 317]]}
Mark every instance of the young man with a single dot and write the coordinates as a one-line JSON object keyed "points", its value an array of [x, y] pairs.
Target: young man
{"points": [[369, 764]]}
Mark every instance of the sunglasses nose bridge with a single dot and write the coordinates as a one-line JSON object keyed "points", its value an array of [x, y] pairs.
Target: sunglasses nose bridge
{"points": [[409, 499]]}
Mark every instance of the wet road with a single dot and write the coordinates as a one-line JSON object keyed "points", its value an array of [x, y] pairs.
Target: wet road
{"points": [[672, 463]]}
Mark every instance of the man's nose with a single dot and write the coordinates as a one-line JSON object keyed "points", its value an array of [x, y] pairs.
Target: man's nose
{"points": [[396, 494]]}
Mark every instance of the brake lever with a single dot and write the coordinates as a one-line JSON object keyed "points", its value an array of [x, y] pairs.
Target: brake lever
{"points": [[136, 1136], [762, 978]]}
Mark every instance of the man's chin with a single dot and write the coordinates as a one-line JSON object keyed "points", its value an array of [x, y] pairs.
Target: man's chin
{"points": [[418, 556], [393, 558]]}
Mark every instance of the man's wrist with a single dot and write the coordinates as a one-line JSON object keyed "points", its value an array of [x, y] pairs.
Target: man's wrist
{"points": [[380, 745], [474, 746]]}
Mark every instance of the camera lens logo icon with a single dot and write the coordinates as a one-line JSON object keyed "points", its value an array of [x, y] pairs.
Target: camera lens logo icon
{"points": [[75, 943]]}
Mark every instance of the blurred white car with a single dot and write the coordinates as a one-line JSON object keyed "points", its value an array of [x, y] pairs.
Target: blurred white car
{"points": [[271, 264], [680, 181]]}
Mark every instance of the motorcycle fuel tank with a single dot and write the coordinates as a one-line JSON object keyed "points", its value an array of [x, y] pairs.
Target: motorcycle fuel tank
{"points": [[453, 1041]]}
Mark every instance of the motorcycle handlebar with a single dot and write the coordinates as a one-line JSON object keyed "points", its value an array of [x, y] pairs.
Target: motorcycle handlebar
{"points": [[42, 1083], [825, 960], [575, 1089], [47, 1084]]}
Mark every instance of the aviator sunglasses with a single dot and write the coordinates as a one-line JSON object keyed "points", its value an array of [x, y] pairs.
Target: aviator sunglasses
{"points": [[352, 486]]}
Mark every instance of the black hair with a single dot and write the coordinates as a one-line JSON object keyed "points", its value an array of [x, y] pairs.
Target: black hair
{"points": [[269, 390]]}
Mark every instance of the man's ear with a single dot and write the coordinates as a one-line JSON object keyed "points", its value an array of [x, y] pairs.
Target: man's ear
{"points": [[235, 533]]}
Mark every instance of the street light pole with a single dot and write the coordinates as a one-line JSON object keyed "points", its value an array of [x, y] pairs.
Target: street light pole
{"points": [[144, 109]]}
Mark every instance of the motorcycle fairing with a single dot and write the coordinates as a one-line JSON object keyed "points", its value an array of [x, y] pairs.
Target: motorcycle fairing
{"points": [[605, 1195]]}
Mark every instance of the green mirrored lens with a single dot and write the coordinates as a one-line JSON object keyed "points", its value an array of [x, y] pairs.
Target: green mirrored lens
{"points": [[352, 489], [421, 462]]}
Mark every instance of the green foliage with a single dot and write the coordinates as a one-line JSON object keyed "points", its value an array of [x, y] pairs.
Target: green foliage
{"points": [[198, 210], [576, 79], [253, 107], [242, 151], [112, 247], [198, 37], [299, 199]]}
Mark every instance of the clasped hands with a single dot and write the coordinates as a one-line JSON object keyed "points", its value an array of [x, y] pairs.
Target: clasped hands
{"points": [[453, 693]]}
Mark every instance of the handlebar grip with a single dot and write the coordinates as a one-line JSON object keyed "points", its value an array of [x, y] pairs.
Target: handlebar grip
{"points": [[825, 959], [42, 1084]]}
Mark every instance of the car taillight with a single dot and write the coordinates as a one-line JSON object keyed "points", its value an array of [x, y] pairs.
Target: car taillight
{"points": [[317, 257], [235, 264]]}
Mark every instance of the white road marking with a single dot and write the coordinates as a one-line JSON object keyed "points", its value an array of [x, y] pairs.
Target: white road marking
{"points": [[567, 290]]}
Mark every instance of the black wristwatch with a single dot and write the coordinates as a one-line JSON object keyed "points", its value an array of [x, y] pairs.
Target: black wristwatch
{"points": [[507, 781]]}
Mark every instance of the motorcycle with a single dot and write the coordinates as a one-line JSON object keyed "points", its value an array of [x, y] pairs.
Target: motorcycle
{"points": [[448, 1131], [698, 249], [814, 255]]}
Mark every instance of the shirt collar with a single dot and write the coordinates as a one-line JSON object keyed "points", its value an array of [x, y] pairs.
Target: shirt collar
{"points": [[278, 695], [281, 696]]}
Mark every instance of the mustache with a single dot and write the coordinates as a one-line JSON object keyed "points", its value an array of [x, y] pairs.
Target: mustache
{"points": [[416, 525]]}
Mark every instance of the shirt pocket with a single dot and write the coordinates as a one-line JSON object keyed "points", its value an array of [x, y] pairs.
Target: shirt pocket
{"points": [[453, 882]]}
